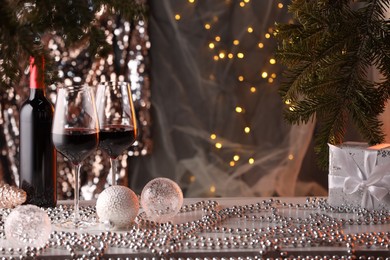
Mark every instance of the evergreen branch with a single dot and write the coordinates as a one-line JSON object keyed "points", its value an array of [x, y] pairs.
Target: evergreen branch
{"points": [[129, 10], [370, 127], [304, 110], [23, 23], [326, 84], [384, 90], [380, 50], [376, 9], [287, 32], [307, 71], [9, 53], [331, 129], [328, 52]]}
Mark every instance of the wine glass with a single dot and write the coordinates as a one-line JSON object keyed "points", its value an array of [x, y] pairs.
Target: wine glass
{"points": [[75, 135], [117, 120]]}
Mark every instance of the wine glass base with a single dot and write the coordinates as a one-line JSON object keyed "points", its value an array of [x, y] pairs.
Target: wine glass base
{"points": [[79, 224]]}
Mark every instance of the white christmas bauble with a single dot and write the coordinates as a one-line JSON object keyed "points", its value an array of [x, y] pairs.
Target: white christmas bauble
{"points": [[27, 225], [161, 199], [117, 205]]}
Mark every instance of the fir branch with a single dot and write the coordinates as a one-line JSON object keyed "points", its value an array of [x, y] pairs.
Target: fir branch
{"points": [[24, 22], [331, 123], [304, 110], [328, 51]]}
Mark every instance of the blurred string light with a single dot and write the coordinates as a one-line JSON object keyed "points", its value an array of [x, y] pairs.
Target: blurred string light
{"points": [[220, 52]]}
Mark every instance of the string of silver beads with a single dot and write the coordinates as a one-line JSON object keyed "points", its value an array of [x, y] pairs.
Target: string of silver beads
{"points": [[274, 233]]}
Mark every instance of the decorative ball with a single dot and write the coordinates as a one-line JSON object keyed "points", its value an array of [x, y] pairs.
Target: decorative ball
{"points": [[27, 225], [161, 199], [117, 205]]}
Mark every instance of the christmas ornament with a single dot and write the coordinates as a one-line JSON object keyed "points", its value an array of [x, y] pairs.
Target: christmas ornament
{"points": [[11, 196], [27, 225], [117, 206], [161, 199]]}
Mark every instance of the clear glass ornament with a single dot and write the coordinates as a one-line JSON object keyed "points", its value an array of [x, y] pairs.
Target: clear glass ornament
{"points": [[161, 199], [27, 225]]}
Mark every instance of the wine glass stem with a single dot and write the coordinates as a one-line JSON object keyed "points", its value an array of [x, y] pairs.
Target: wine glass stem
{"points": [[114, 167], [76, 218]]}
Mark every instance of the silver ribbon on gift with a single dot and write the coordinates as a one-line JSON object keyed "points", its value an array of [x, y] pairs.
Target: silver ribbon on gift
{"points": [[373, 180]]}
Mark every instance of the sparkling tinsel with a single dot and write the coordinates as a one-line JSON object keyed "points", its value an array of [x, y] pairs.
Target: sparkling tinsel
{"points": [[127, 61]]}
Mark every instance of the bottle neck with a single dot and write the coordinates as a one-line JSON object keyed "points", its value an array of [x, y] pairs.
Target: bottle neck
{"points": [[37, 92], [37, 66]]}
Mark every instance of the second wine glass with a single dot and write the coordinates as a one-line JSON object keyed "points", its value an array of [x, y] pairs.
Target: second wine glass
{"points": [[117, 120]]}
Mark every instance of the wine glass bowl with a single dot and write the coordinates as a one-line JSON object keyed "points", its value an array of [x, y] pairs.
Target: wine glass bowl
{"points": [[117, 120], [75, 135]]}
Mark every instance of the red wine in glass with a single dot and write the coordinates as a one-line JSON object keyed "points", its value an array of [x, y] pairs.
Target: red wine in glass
{"points": [[76, 144], [114, 139], [117, 120], [75, 134]]}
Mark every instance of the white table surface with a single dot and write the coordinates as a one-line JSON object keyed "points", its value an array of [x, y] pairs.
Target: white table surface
{"points": [[123, 253]]}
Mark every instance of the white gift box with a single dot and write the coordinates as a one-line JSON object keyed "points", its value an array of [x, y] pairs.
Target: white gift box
{"points": [[359, 175]]}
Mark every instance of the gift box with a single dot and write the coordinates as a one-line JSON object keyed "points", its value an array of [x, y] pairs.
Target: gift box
{"points": [[359, 175]]}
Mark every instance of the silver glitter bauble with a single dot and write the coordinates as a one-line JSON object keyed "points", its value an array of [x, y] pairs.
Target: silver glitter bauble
{"points": [[118, 206], [161, 199], [27, 225]]}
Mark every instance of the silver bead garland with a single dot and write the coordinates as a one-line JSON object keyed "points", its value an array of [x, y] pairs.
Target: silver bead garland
{"points": [[269, 229]]}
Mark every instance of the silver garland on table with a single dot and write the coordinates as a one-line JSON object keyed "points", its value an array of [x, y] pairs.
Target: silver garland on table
{"points": [[128, 61], [263, 229]]}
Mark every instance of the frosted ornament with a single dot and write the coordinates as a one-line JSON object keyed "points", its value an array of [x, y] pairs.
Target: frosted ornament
{"points": [[27, 225], [117, 206], [161, 199]]}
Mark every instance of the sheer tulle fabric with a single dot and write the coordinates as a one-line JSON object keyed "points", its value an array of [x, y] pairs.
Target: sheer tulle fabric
{"points": [[194, 96]]}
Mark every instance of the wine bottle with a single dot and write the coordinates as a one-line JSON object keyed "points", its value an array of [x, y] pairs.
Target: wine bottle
{"points": [[38, 158]]}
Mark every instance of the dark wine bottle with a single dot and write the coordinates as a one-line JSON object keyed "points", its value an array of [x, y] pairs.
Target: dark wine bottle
{"points": [[38, 158]]}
